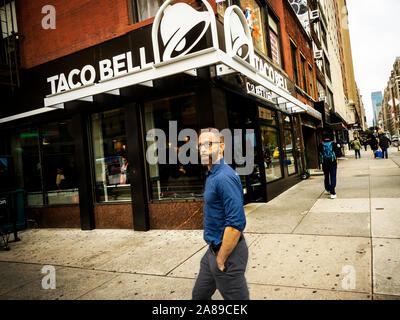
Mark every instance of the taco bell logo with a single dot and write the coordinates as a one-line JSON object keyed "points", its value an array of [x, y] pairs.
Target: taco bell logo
{"points": [[181, 28], [178, 28], [177, 38], [238, 40]]}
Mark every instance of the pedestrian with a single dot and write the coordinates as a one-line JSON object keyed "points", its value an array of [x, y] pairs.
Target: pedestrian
{"points": [[384, 143], [224, 264], [365, 143], [328, 150], [123, 178], [373, 143], [356, 146], [60, 178]]}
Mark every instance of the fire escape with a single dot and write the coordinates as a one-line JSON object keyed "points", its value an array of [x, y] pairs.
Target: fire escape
{"points": [[9, 49]]}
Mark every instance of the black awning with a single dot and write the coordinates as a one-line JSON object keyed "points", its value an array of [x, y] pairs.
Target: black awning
{"points": [[336, 121]]}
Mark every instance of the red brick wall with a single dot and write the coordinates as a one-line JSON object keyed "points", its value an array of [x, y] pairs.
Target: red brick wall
{"points": [[79, 24], [67, 216], [294, 31]]}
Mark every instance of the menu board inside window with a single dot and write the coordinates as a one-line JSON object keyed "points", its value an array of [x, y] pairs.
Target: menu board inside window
{"points": [[253, 14]]}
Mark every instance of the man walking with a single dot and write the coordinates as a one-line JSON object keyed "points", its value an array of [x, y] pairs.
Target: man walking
{"points": [[365, 143], [328, 151], [373, 143], [224, 264], [384, 143], [357, 147]]}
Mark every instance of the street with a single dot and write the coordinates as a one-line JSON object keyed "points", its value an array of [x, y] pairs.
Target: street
{"points": [[302, 245]]}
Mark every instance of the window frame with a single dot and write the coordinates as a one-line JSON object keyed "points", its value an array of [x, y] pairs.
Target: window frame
{"points": [[271, 13], [327, 67], [279, 138], [311, 80], [303, 62], [295, 67], [264, 16], [291, 130], [149, 188], [331, 98], [93, 157], [134, 11]]}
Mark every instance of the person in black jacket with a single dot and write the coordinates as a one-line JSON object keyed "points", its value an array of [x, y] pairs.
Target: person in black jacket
{"points": [[373, 143], [328, 151], [384, 143]]}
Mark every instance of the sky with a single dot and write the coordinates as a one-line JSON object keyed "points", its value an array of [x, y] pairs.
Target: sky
{"points": [[375, 41]]}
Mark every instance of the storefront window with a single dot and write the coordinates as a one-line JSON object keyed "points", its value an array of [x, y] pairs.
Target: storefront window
{"points": [[59, 167], [270, 144], [111, 166], [25, 152], [288, 134], [173, 181], [254, 17]]}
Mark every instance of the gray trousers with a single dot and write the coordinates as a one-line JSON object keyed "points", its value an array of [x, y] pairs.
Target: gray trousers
{"points": [[231, 282]]}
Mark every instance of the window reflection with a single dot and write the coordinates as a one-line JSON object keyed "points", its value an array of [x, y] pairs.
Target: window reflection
{"points": [[59, 167], [25, 152], [289, 160], [270, 144], [173, 181], [110, 153], [254, 18]]}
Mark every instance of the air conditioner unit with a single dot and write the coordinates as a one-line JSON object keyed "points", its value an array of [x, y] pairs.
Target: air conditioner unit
{"points": [[314, 15], [318, 54]]}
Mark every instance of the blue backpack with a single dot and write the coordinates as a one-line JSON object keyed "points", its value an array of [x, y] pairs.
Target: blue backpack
{"points": [[328, 155]]}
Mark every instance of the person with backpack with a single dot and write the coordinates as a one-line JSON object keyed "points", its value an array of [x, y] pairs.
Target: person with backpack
{"points": [[384, 143], [357, 147], [328, 150]]}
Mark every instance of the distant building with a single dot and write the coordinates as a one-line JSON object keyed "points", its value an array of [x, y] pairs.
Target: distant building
{"points": [[392, 92], [355, 108], [377, 100]]}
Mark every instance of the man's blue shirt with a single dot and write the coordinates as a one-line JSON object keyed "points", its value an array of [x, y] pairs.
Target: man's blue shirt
{"points": [[223, 203]]}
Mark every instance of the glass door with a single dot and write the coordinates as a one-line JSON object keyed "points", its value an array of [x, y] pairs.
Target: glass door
{"points": [[242, 115]]}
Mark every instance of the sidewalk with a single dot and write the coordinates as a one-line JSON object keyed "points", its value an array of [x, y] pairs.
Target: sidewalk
{"points": [[302, 245]]}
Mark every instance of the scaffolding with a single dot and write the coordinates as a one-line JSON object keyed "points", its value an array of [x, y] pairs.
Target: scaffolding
{"points": [[9, 49]]}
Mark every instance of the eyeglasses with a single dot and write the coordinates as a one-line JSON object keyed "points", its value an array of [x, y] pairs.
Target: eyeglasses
{"points": [[207, 145]]}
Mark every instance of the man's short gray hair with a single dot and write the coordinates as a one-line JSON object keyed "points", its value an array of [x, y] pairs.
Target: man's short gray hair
{"points": [[213, 130]]}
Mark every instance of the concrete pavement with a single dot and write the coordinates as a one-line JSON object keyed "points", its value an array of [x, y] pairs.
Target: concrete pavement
{"points": [[302, 245]]}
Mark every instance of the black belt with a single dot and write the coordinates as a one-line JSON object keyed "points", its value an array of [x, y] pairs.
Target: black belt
{"points": [[216, 248]]}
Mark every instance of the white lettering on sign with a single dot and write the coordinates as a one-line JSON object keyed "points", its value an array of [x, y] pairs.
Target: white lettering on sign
{"points": [[259, 91], [108, 68], [265, 69], [72, 85], [106, 71]]}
